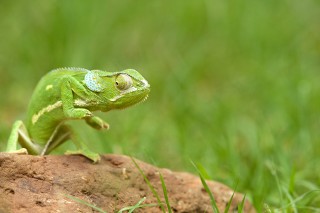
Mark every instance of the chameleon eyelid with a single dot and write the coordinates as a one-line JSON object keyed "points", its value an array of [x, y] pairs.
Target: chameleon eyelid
{"points": [[123, 81]]}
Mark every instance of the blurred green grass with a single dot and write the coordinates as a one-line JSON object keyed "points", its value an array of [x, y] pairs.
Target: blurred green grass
{"points": [[235, 84]]}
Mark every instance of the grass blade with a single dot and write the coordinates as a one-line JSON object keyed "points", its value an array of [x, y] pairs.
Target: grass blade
{"points": [[84, 203], [149, 185], [206, 187], [240, 207], [290, 198], [137, 205], [294, 203], [130, 209], [164, 188], [270, 165], [229, 203], [231, 198]]}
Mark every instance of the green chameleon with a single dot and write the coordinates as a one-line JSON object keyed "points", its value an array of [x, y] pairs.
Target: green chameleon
{"points": [[73, 93]]}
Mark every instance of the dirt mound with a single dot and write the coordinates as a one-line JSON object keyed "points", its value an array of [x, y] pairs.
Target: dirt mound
{"points": [[43, 184]]}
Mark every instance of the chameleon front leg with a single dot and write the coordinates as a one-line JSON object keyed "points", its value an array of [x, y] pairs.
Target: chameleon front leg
{"points": [[64, 133], [70, 86], [20, 134]]}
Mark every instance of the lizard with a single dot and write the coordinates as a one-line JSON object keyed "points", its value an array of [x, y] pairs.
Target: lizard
{"points": [[68, 94]]}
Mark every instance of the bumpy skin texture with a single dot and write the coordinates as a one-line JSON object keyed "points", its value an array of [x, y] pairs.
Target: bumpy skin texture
{"points": [[73, 93]]}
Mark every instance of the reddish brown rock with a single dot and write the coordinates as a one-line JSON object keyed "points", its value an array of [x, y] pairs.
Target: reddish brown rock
{"points": [[42, 184]]}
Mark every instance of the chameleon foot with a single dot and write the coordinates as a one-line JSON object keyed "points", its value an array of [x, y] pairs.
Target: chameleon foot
{"points": [[88, 154], [21, 151]]}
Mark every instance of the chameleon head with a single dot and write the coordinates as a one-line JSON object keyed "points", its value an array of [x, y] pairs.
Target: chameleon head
{"points": [[118, 89], [131, 88]]}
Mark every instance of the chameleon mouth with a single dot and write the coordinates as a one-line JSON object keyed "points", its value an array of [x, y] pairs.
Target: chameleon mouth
{"points": [[134, 103]]}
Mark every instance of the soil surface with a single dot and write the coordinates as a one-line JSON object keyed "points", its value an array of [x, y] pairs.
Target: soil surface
{"points": [[45, 184]]}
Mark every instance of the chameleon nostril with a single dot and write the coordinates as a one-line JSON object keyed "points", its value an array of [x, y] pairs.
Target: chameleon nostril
{"points": [[145, 83]]}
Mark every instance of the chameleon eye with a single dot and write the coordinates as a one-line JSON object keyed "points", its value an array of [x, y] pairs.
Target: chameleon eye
{"points": [[123, 82]]}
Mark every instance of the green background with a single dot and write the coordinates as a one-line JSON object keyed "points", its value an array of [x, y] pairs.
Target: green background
{"points": [[234, 84]]}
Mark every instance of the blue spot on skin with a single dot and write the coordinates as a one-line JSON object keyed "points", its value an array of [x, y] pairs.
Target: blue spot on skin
{"points": [[91, 81]]}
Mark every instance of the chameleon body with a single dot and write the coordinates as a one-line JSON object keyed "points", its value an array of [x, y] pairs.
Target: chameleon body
{"points": [[73, 93]]}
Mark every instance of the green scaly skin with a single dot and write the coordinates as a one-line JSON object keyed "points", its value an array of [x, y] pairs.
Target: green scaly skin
{"points": [[73, 93]]}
